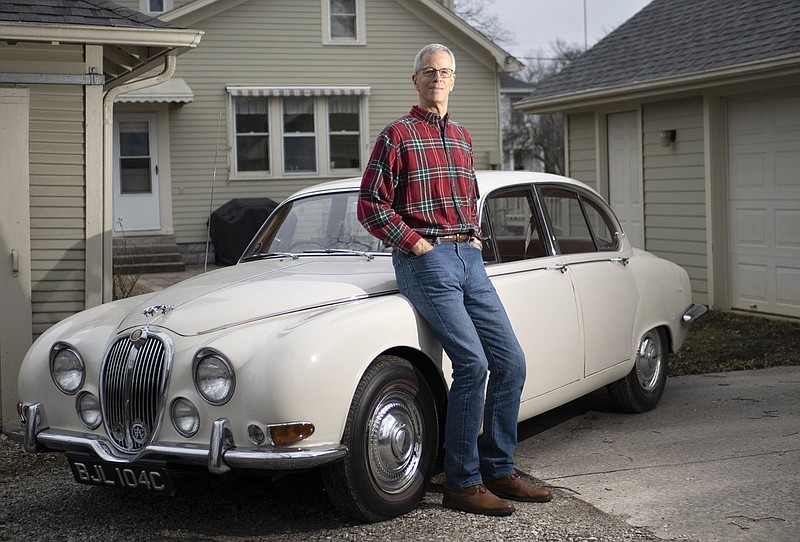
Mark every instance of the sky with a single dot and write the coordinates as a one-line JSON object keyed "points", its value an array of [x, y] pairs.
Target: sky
{"points": [[537, 23]]}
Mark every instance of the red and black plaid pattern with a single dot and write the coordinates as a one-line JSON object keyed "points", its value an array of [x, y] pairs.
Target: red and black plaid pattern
{"points": [[420, 181]]}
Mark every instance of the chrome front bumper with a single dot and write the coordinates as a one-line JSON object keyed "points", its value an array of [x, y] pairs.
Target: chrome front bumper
{"points": [[220, 456]]}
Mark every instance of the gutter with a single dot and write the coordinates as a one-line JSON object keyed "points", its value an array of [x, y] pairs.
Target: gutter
{"points": [[756, 70], [101, 35], [170, 64]]}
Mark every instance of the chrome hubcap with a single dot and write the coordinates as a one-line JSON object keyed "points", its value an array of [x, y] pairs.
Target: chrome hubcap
{"points": [[649, 361], [394, 446]]}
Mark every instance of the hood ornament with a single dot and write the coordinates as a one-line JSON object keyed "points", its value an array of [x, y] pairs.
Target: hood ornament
{"points": [[154, 310]]}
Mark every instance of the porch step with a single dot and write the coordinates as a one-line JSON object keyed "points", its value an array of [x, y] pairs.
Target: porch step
{"points": [[147, 254]]}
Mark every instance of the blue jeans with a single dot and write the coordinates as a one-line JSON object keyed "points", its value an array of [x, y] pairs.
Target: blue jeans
{"points": [[449, 287]]}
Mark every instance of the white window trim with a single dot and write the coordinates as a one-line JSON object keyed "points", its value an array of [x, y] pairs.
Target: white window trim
{"points": [[361, 31], [144, 7], [322, 134]]}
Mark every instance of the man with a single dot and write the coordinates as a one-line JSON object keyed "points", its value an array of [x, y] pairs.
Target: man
{"points": [[419, 195]]}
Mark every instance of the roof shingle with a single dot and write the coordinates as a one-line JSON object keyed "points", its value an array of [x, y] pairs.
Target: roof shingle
{"points": [[76, 12], [680, 37]]}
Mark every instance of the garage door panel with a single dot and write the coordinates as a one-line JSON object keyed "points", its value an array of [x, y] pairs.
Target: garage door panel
{"points": [[752, 283], [749, 228], [787, 168], [787, 230], [788, 287], [764, 202]]}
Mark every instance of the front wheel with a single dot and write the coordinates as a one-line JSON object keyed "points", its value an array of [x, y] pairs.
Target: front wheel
{"points": [[392, 439], [642, 388]]}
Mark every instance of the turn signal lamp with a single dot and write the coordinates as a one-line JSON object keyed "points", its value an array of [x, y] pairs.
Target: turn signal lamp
{"points": [[290, 433]]}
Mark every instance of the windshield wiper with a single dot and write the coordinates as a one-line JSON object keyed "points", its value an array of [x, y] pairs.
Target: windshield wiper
{"points": [[270, 255], [367, 255]]}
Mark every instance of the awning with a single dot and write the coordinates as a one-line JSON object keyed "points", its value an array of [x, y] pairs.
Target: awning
{"points": [[173, 90], [297, 91]]}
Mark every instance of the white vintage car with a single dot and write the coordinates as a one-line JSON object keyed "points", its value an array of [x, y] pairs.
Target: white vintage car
{"points": [[305, 355]]}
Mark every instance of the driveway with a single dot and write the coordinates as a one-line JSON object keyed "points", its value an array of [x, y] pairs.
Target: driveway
{"points": [[718, 459]]}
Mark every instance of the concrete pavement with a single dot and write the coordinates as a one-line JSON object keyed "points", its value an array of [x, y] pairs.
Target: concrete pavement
{"points": [[718, 459]]}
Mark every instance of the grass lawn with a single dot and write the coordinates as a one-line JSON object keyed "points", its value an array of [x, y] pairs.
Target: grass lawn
{"points": [[726, 341]]}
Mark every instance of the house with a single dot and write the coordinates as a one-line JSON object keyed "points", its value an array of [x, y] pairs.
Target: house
{"points": [[687, 117], [282, 95], [517, 153], [61, 64]]}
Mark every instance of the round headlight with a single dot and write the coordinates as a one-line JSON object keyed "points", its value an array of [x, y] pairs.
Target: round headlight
{"points": [[66, 368], [88, 407], [214, 377], [185, 417]]}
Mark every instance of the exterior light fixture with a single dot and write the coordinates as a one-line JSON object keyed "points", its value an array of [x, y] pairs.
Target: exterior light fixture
{"points": [[667, 137]]}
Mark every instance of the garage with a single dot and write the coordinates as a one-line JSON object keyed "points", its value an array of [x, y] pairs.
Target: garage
{"points": [[763, 202]]}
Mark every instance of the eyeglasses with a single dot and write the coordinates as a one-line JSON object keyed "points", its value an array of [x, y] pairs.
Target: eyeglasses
{"points": [[430, 73]]}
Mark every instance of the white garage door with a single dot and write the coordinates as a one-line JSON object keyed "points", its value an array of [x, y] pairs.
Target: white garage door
{"points": [[764, 202]]}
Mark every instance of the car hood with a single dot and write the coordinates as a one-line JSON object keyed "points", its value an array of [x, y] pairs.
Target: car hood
{"points": [[257, 290]]}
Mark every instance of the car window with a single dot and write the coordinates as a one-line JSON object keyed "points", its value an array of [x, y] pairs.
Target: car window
{"points": [[511, 226], [579, 224], [315, 223]]}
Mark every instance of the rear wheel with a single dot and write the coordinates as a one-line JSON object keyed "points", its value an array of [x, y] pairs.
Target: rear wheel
{"points": [[392, 440], [642, 388]]}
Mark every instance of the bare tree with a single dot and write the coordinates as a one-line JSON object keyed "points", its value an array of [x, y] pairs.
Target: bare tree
{"points": [[476, 13], [542, 135]]}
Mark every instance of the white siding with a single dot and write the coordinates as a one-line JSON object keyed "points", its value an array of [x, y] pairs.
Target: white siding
{"points": [[279, 43], [674, 187]]}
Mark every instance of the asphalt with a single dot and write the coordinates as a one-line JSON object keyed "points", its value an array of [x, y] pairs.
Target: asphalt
{"points": [[717, 460]]}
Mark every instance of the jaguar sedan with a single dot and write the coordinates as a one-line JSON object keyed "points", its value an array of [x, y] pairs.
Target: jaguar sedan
{"points": [[304, 355]]}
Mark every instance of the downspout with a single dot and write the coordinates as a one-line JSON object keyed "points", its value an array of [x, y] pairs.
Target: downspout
{"points": [[108, 164]]}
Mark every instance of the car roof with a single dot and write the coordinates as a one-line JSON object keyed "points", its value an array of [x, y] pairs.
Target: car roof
{"points": [[488, 181]]}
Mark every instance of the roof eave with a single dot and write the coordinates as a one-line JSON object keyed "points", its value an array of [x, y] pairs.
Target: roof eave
{"points": [[101, 35], [588, 98], [504, 61]]}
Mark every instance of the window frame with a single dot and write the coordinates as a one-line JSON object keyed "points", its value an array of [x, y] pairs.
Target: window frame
{"points": [[275, 99], [361, 33], [144, 7]]}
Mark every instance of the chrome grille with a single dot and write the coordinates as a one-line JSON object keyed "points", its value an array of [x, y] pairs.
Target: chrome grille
{"points": [[133, 382]]}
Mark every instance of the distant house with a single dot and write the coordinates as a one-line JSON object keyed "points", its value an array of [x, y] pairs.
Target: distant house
{"points": [[516, 155], [688, 118], [282, 95], [61, 63]]}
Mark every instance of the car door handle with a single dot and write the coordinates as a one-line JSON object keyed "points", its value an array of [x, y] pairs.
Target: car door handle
{"points": [[623, 261], [559, 267]]}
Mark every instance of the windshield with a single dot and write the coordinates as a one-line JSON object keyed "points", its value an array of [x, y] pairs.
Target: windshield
{"points": [[319, 223]]}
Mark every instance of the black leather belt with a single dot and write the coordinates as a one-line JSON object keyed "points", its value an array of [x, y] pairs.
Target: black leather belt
{"points": [[455, 238]]}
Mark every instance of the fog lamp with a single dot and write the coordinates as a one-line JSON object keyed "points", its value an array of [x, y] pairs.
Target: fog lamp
{"points": [[256, 434], [88, 407], [185, 417], [288, 433]]}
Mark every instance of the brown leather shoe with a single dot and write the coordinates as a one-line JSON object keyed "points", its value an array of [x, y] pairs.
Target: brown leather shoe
{"points": [[515, 488], [476, 500]]}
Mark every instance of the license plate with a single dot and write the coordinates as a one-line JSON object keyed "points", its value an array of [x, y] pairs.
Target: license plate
{"points": [[151, 477]]}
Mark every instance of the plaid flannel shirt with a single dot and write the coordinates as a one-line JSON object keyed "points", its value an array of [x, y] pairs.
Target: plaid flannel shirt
{"points": [[420, 181]]}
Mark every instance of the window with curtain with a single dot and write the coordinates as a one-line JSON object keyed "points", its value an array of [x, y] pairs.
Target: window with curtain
{"points": [[309, 131], [252, 134], [299, 136], [343, 19], [344, 132]]}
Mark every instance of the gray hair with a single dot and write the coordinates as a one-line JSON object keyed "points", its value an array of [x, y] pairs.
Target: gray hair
{"points": [[429, 49]]}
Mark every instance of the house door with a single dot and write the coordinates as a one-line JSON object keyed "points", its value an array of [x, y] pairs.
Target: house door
{"points": [[764, 202], [624, 174], [16, 333], [137, 205]]}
